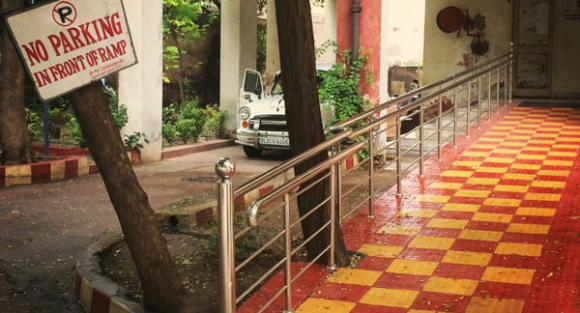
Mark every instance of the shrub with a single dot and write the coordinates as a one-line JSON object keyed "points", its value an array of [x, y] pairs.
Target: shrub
{"points": [[186, 129], [34, 125], [214, 124], [135, 141], [76, 133], [170, 133]]}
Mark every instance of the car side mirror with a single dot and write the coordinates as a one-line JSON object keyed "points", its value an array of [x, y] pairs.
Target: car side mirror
{"points": [[258, 92], [248, 98]]}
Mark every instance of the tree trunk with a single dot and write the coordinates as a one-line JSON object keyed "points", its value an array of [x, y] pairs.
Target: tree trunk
{"points": [[157, 271], [301, 97], [13, 126]]}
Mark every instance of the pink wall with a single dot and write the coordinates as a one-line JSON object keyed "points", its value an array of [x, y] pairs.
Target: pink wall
{"points": [[370, 38]]}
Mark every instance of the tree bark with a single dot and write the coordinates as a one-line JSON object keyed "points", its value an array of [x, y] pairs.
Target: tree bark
{"points": [[298, 66], [157, 271], [181, 68], [13, 126]]}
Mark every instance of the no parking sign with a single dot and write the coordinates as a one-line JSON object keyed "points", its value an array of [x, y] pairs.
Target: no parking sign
{"points": [[69, 44]]}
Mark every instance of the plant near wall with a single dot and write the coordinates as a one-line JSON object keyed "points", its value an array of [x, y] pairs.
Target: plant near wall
{"points": [[183, 21], [214, 124], [135, 141]]}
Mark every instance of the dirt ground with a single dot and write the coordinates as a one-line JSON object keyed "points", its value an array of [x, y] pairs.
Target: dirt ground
{"points": [[46, 227]]}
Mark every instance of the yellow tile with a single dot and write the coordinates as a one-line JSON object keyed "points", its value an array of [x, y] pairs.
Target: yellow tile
{"points": [[483, 181], [508, 275], [514, 248], [472, 193], [531, 157], [511, 188], [467, 163], [543, 196], [479, 305], [464, 287], [396, 229], [561, 146], [417, 213], [523, 131], [558, 163], [536, 212], [412, 267], [548, 184], [316, 305], [545, 135], [390, 297], [513, 144], [483, 235], [461, 207], [562, 154], [354, 277], [519, 137], [494, 133], [502, 202], [515, 176], [475, 154], [552, 124], [503, 127], [568, 139], [442, 185], [492, 217], [491, 139], [523, 166], [542, 142], [554, 173], [467, 258], [542, 149], [506, 151], [528, 229], [493, 170], [433, 198], [508, 122], [456, 174], [478, 146], [381, 251], [573, 133], [499, 160], [447, 223], [426, 242], [420, 311]]}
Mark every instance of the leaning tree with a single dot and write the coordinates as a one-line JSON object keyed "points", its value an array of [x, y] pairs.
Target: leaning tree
{"points": [[298, 65]]}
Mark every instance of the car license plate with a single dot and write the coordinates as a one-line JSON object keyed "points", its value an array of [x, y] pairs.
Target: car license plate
{"points": [[274, 141]]}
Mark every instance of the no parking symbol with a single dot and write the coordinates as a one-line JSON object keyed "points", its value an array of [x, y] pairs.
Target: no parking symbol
{"points": [[64, 13]]}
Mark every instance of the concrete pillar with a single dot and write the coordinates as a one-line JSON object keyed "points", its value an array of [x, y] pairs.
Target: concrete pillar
{"points": [[273, 46], [330, 30], [140, 86], [238, 51]]}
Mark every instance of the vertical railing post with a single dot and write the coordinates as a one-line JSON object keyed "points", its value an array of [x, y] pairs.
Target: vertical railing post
{"points": [[479, 102], [439, 126], [333, 221], [371, 174], [455, 115], [225, 169], [338, 187], [399, 167], [497, 87], [468, 109], [288, 255], [505, 84], [512, 73], [421, 141], [489, 94]]}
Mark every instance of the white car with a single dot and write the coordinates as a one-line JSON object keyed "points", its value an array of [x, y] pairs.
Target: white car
{"points": [[262, 118]]}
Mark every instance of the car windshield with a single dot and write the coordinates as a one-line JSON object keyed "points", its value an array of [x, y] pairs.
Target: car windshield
{"points": [[277, 86]]}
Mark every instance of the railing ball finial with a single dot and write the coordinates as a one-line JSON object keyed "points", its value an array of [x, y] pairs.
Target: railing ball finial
{"points": [[225, 168]]}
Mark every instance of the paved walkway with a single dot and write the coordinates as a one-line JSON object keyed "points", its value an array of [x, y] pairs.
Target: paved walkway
{"points": [[493, 228]]}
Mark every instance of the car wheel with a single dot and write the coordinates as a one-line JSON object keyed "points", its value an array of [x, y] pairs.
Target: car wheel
{"points": [[252, 152]]}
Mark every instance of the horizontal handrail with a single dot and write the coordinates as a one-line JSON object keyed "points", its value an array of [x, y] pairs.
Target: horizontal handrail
{"points": [[410, 95], [419, 102]]}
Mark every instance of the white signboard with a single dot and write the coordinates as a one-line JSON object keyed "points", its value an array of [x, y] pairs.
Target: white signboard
{"points": [[69, 44]]}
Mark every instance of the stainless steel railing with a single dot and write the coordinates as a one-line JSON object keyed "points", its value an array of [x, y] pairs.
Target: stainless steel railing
{"points": [[444, 110]]}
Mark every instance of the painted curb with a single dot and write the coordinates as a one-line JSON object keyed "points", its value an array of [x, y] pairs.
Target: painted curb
{"points": [[95, 292], [43, 172], [178, 151]]}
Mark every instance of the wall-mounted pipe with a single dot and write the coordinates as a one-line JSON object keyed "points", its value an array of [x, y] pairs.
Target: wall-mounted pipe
{"points": [[355, 11]]}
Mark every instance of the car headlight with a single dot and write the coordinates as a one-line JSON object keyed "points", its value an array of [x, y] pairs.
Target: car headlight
{"points": [[245, 113]]}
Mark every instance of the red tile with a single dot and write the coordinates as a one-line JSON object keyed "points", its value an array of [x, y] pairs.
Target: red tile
{"points": [[374, 263], [501, 290], [341, 292], [422, 254], [401, 281], [440, 302], [366, 308], [459, 271], [473, 245]]}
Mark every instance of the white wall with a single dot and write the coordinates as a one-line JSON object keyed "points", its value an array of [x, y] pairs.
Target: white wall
{"points": [[140, 86]]}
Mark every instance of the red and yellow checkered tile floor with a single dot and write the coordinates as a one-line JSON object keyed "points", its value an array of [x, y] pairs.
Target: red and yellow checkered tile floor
{"points": [[493, 228]]}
